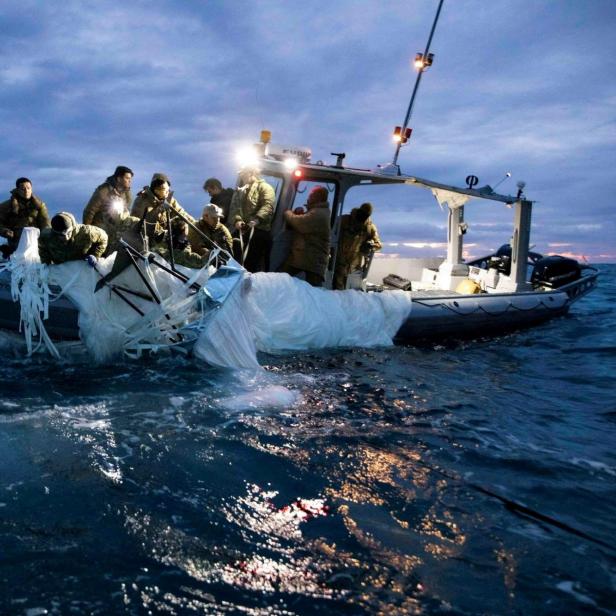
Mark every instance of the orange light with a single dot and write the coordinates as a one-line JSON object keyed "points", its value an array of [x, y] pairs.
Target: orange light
{"points": [[298, 173], [402, 135]]}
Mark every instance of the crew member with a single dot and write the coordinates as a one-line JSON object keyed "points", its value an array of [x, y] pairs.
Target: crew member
{"points": [[251, 213], [219, 196], [151, 206], [123, 227], [183, 254], [68, 241], [211, 226], [23, 209], [110, 201], [358, 239], [311, 234]]}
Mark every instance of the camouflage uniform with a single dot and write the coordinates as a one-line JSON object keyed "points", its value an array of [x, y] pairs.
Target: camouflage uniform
{"points": [[17, 213], [100, 210], [352, 247], [219, 235], [85, 240], [310, 245], [155, 214], [125, 227], [254, 201], [183, 256]]}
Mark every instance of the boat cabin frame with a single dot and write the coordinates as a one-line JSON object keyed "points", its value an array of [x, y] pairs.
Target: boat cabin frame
{"points": [[451, 270]]}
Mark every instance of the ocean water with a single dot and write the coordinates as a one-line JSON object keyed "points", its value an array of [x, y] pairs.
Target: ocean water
{"points": [[389, 480]]}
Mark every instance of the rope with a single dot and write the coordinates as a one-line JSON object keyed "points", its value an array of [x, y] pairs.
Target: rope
{"points": [[241, 238], [29, 287], [480, 308], [245, 252], [516, 507], [181, 309]]}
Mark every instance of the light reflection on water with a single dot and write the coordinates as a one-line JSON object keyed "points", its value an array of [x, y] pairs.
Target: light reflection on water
{"points": [[333, 483]]}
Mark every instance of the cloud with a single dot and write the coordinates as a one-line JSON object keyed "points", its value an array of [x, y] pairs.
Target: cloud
{"points": [[178, 86]]}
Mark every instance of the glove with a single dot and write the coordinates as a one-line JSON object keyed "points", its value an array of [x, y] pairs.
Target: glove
{"points": [[91, 260], [367, 247]]}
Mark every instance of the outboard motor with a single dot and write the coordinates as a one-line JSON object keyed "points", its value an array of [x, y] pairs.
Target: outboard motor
{"points": [[501, 261], [555, 271]]}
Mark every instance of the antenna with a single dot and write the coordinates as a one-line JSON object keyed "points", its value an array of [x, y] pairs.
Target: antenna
{"points": [[422, 61], [340, 156], [507, 175]]}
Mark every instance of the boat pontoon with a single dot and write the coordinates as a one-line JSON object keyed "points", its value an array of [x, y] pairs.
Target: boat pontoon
{"points": [[510, 289]]}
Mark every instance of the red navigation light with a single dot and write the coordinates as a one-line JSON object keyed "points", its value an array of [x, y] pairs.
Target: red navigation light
{"points": [[298, 173], [407, 134]]}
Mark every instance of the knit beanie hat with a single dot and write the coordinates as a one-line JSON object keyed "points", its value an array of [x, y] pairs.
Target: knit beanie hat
{"points": [[318, 194], [62, 223], [366, 209], [158, 179]]}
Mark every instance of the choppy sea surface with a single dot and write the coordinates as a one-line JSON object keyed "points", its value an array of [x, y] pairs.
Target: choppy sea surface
{"points": [[460, 478]]}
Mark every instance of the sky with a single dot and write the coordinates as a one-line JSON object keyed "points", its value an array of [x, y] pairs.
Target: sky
{"points": [[520, 86]]}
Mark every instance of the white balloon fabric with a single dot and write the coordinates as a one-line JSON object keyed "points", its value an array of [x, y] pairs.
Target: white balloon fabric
{"points": [[276, 312], [29, 286], [286, 313], [232, 317]]}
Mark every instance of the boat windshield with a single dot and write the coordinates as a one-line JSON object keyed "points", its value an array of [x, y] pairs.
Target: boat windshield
{"points": [[411, 223], [303, 188], [408, 219]]}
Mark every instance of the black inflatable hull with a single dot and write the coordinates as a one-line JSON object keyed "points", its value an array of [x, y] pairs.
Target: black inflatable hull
{"points": [[432, 317]]}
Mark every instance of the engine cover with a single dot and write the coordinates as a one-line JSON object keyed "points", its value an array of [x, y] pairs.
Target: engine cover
{"points": [[555, 271]]}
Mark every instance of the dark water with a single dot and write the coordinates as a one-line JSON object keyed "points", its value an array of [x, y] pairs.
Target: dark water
{"points": [[339, 482]]}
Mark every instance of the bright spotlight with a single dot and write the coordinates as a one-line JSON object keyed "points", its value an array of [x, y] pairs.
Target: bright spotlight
{"points": [[247, 157], [116, 207], [290, 163]]}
